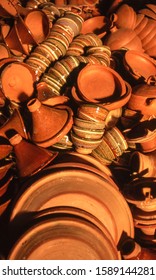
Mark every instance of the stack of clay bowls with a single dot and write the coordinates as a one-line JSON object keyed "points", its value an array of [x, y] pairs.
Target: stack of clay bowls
{"points": [[88, 128]]}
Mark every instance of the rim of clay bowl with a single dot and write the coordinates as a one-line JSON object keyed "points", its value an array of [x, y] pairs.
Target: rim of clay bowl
{"points": [[89, 76]]}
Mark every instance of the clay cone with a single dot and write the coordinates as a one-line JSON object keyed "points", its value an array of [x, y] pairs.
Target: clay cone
{"points": [[49, 124], [15, 122], [29, 158]]}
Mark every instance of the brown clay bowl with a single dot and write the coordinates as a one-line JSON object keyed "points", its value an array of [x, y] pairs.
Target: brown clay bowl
{"points": [[7, 9], [5, 147], [38, 23], [123, 38], [152, 51], [149, 13], [126, 17], [91, 79], [4, 51], [147, 40], [98, 25], [139, 65], [17, 80], [4, 183], [143, 20], [57, 189], [143, 99], [151, 7]]}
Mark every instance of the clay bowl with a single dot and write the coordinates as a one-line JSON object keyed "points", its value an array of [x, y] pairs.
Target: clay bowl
{"points": [[74, 232], [20, 85], [38, 23], [143, 99], [88, 124], [148, 13], [126, 17], [24, 32], [98, 25], [4, 51], [84, 145], [139, 65], [147, 30], [4, 169], [90, 82], [151, 51], [142, 22], [123, 38], [92, 112], [57, 189], [151, 7], [149, 41], [113, 117], [5, 148], [139, 191], [7, 9], [143, 164], [119, 102], [142, 136], [92, 134], [13, 41], [4, 183]]}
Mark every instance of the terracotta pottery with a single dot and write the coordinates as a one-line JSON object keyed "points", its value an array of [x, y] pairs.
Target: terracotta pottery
{"points": [[57, 189], [92, 112], [4, 51], [4, 183], [126, 17], [7, 9], [57, 121], [25, 152], [75, 238], [152, 51], [14, 42], [149, 13], [142, 136], [147, 30], [123, 38], [14, 122], [139, 65], [143, 20], [98, 25], [151, 7], [17, 80], [4, 169], [24, 32], [143, 99], [90, 83], [141, 193], [5, 147], [143, 164], [38, 23]]}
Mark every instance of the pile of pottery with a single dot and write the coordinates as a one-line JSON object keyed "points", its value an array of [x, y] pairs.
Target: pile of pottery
{"points": [[77, 113]]}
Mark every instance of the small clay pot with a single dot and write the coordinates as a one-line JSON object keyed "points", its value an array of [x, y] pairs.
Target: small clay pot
{"points": [[143, 164], [126, 17], [98, 25]]}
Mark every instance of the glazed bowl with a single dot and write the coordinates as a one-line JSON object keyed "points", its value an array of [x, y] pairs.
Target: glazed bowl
{"points": [[92, 112], [88, 124], [84, 145], [88, 133]]}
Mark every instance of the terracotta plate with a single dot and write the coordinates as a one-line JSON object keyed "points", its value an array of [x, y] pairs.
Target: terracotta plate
{"points": [[81, 189]]}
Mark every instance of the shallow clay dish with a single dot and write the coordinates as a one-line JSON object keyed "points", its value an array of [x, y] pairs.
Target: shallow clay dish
{"points": [[139, 65], [99, 82], [17, 80], [72, 238], [98, 25], [57, 189]]}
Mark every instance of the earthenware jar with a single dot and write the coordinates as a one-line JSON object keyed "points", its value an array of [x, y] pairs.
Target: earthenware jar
{"points": [[25, 152], [143, 164], [57, 121]]}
